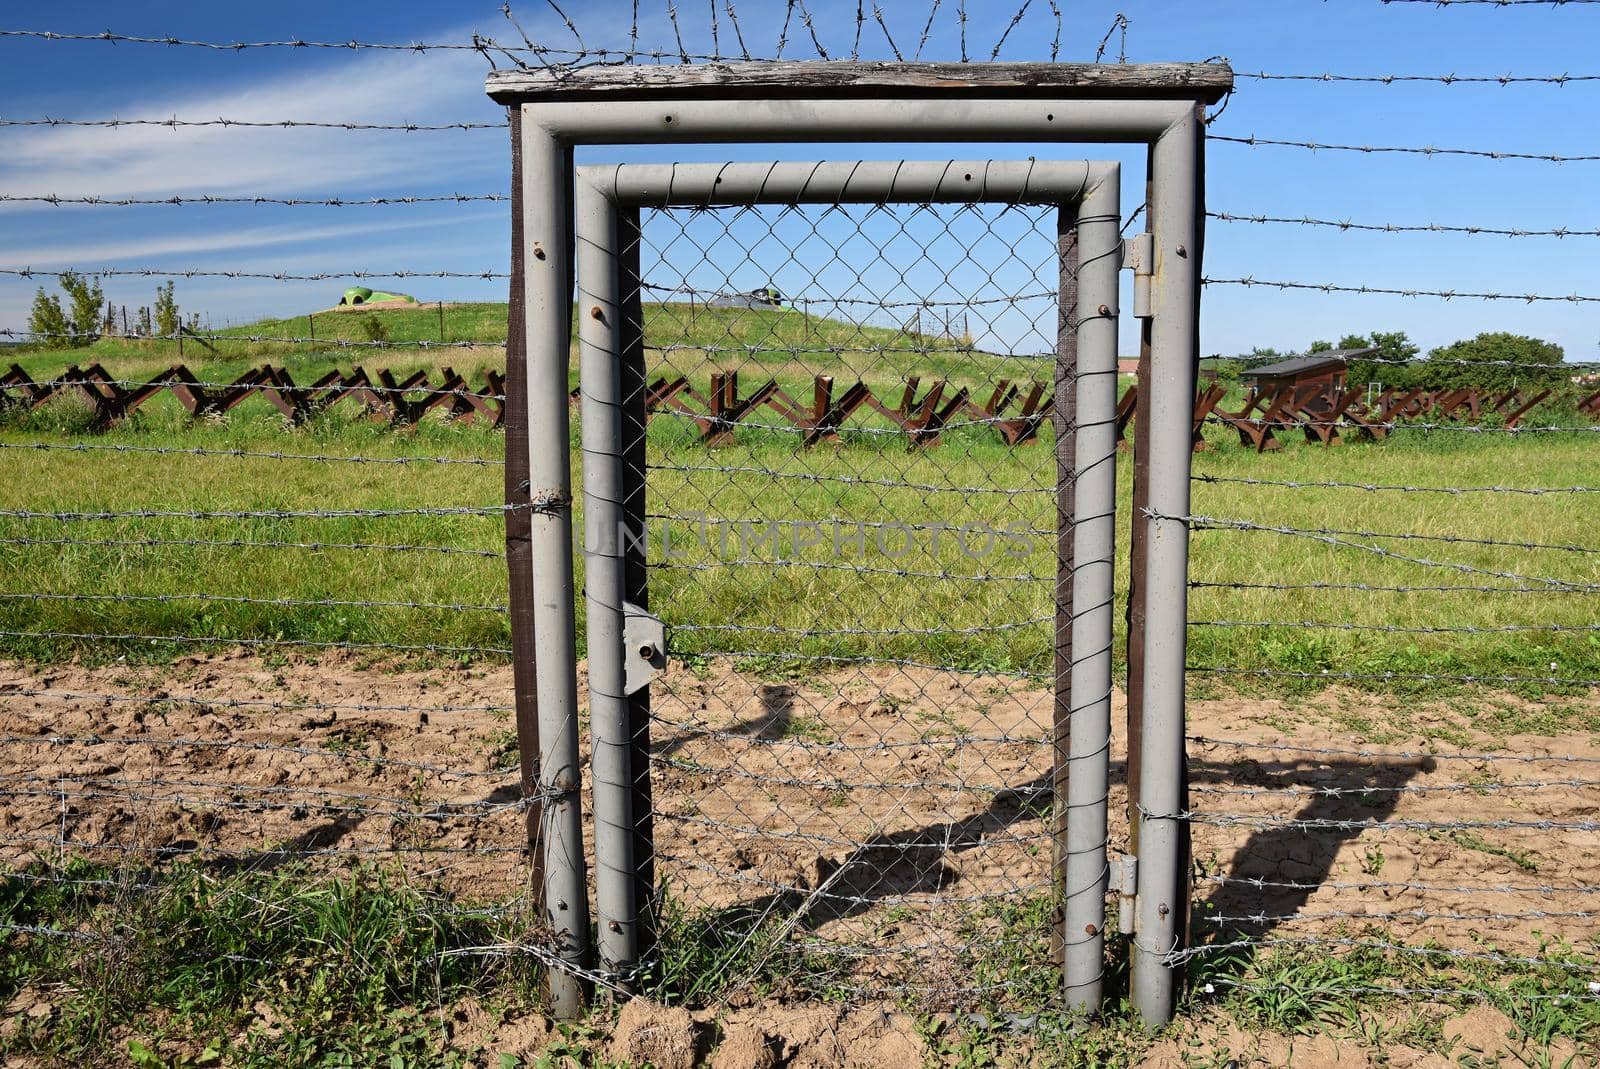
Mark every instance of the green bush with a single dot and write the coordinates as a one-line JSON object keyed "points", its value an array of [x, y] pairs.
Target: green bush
{"points": [[1509, 360]]}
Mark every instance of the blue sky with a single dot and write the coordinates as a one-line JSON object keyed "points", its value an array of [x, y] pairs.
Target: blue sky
{"points": [[1287, 36]]}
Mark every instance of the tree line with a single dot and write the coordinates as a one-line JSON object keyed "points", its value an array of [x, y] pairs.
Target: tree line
{"points": [[1492, 360], [81, 315]]}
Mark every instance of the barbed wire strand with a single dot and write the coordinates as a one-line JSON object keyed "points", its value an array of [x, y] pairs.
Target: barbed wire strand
{"points": [[1453, 491], [1382, 587], [287, 643], [223, 702], [252, 339], [247, 454], [1326, 537], [1262, 884], [1407, 228], [1396, 677], [1440, 79], [175, 123], [1368, 754], [1415, 150], [276, 276], [230, 599], [1390, 291], [543, 504], [1397, 629], [244, 543], [347, 756], [114, 201]]}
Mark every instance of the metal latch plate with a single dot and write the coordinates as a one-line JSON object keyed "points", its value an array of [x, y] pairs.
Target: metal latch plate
{"points": [[644, 642]]}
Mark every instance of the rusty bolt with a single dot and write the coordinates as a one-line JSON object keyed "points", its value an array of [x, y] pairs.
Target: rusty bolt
{"points": [[647, 651], [1090, 929], [596, 313], [538, 251], [615, 927], [1163, 909], [1105, 310]]}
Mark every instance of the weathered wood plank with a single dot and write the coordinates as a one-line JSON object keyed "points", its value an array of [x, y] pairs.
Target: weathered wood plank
{"points": [[842, 78]]}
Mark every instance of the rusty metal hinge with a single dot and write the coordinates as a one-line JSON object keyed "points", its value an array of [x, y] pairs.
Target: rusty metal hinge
{"points": [[1125, 885], [1138, 255]]}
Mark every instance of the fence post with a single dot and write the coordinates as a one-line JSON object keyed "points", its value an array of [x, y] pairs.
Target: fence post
{"points": [[1137, 584], [1162, 901], [601, 401], [547, 291], [519, 559], [1086, 450], [636, 577]]}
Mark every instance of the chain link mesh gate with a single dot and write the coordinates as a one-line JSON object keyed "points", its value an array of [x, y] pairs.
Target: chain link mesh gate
{"points": [[847, 433]]}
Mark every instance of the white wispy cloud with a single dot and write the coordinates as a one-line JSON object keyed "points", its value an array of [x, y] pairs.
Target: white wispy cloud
{"points": [[368, 87], [88, 255]]}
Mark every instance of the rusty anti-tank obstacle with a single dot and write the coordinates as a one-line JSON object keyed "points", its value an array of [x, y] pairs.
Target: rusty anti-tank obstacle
{"points": [[1014, 410], [387, 399]]}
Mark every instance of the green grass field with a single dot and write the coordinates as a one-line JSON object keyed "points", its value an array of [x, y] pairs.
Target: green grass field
{"points": [[943, 612], [298, 967]]}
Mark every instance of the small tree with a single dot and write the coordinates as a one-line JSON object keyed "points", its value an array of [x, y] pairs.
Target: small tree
{"points": [[48, 322], [1391, 365], [145, 329], [84, 298], [167, 318], [1500, 360]]}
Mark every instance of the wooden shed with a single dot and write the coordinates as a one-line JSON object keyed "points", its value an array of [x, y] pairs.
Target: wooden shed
{"points": [[1325, 370]]}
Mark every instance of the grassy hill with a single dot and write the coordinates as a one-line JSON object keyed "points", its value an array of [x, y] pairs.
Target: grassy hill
{"points": [[690, 340]]}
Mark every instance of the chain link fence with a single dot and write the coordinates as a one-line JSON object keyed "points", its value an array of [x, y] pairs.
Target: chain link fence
{"points": [[853, 764], [208, 693], [1399, 804]]}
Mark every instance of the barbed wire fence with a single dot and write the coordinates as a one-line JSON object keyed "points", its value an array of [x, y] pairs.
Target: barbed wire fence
{"points": [[915, 709]]}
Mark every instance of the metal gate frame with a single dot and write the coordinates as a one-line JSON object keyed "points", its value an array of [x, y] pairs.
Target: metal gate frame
{"points": [[612, 410], [554, 110]]}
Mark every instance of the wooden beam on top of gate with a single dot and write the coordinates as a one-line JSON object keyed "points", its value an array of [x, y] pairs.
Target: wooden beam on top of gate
{"points": [[1207, 82]]}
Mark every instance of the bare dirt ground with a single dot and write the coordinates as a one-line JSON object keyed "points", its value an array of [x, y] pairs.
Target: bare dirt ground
{"points": [[895, 817]]}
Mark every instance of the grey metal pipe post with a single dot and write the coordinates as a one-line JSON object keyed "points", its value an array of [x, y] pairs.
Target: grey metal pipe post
{"points": [[1094, 539], [839, 181], [604, 577], [546, 193], [1161, 903], [668, 121]]}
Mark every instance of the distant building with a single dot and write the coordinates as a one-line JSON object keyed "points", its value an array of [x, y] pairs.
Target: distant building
{"points": [[1326, 370], [765, 297], [359, 295]]}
